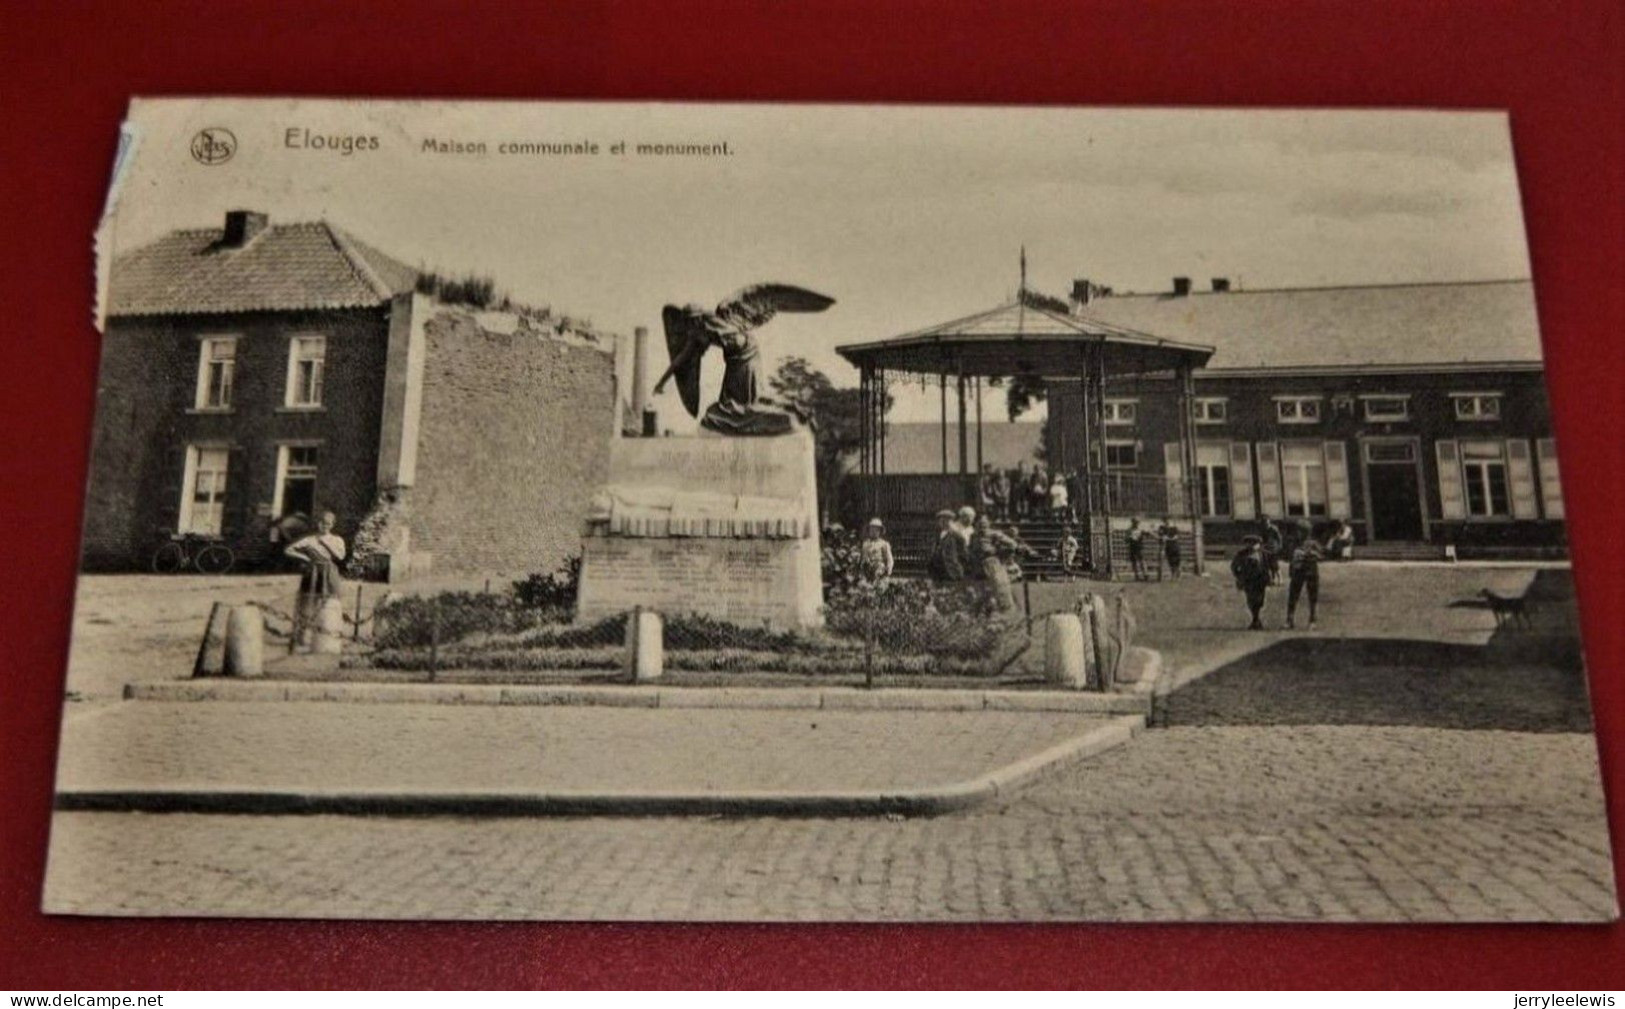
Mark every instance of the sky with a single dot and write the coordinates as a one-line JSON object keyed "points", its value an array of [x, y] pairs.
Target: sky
{"points": [[907, 215]]}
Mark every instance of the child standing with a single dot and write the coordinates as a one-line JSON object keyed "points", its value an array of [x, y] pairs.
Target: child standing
{"points": [[1168, 533], [1303, 573], [1136, 549], [1252, 575]]}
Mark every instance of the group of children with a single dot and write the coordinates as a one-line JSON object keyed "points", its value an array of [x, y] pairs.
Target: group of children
{"points": [[1167, 539], [1020, 493]]}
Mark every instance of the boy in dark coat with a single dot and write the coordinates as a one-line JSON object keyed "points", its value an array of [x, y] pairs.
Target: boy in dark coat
{"points": [[1252, 575], [947, 562]]}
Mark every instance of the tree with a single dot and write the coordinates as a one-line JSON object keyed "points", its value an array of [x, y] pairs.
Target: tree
{"points": [[835, 415]]}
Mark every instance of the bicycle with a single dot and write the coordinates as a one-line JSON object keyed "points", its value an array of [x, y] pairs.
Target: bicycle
{"points": [[206, 555]]}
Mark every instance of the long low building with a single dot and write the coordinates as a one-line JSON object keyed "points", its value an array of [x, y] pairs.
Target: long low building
{"points": [[1417, 412]]}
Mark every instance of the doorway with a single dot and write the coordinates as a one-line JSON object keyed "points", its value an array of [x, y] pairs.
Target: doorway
{"points": [[1393, 485]]}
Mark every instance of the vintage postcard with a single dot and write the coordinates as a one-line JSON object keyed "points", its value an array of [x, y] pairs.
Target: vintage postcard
{"points": [[752, 512]]}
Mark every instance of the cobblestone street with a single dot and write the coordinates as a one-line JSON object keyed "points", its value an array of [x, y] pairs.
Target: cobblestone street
{"points": [[1237, 822]]}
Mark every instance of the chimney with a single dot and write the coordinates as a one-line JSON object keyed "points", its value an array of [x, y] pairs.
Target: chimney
{"points": [[241, 227], [640, 377], [1085, 291], [1221, 285], [1182, 286]]}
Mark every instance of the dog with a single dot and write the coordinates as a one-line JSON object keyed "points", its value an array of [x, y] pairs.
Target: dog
{"points": [[1507, 609]]}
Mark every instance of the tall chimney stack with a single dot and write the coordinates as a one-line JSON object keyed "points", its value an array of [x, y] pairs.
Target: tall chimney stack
{"points": [[241, 227], [640, 379], [1182, 286]]}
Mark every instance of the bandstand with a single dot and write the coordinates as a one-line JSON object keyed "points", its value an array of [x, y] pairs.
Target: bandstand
{"points": [[1072, 357]]}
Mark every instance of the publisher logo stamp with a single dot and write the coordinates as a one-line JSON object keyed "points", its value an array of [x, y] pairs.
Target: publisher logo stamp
{"points": [[214, 145]]}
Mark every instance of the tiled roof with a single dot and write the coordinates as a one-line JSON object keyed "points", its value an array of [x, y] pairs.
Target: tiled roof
{"points": [[1018, 337], [285, 267], [1400, 325]]}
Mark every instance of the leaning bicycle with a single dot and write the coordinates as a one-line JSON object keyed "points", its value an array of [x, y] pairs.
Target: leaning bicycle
{"points": [[203, 554]]}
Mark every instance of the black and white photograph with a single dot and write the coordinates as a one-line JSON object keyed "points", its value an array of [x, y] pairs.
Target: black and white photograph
{"points": [[626, 512]]}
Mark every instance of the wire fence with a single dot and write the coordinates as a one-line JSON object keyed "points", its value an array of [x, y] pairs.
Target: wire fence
{"points": [[882, 628]]}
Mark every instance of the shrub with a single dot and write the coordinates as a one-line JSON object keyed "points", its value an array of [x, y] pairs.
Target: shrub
{"points": [[918, 618], [554, 591], [446, 617]]}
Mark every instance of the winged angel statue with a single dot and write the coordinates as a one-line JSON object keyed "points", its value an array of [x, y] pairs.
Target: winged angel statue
{"points": [[692, 330]]}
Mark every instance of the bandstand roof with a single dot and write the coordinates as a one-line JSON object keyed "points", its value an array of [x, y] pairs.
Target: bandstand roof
{"points": [[1022, 339]]}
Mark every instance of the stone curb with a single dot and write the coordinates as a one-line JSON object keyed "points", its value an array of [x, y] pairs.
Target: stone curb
{"points": [[929, 801], [646, 696]]}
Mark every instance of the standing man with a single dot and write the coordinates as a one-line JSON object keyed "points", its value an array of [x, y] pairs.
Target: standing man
{"points": [[1168, 534], [1252, 575], [990, 554], [947, 562], [1303, 572]]}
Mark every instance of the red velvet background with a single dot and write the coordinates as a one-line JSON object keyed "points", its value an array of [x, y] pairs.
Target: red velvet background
{"points": [[65, 74]]}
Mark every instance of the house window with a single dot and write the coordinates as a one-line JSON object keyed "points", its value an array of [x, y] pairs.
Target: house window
{"points": [[1303, 478], [1477, 405], [296, 480], [1484, 478], [1122, 455], [307, 360], [1297, 409], [1210, 410], [216, 368], [1387, 408], [203, 490], [1213, 478], [1120, 411]]}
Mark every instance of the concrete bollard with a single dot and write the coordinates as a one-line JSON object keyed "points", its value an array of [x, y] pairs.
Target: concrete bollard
{"points": [[245, 642], [211, 655], [1065, 653], [645, 646], [328, 638]]}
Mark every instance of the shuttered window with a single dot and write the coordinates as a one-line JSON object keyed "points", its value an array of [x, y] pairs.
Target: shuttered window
{"points": [[1551, 489], [1241, 480], [1521, 475], [1337, 479], [1173, 465], [1269, 478], [1452, 499]]}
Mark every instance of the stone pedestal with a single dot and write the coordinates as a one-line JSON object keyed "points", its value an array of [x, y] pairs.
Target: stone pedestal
{"points": [[710, 525]]}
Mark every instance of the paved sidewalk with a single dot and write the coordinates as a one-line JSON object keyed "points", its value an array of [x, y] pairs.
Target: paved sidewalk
{"points": [[409, 748]]}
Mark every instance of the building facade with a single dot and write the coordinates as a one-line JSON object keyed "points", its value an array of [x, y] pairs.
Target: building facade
{"points": [[257, 374], [1418, 413]]}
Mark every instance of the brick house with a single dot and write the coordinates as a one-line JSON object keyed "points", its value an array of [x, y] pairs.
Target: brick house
{"points": [[258, 371], [1418, 411]]}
